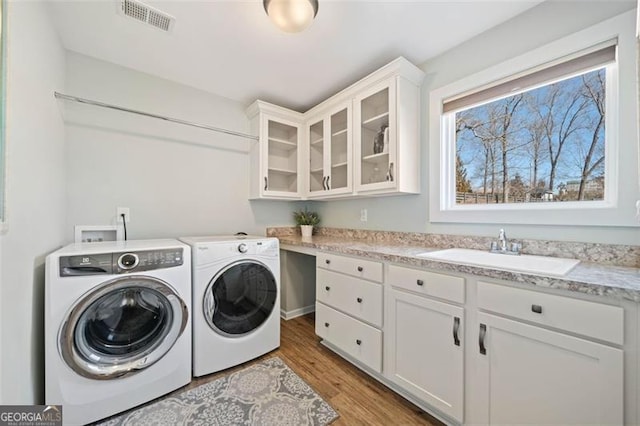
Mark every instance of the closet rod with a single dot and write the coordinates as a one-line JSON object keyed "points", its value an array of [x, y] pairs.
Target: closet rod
{"points": [[147, 114]]}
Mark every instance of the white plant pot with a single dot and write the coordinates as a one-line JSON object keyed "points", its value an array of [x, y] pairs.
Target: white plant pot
{"points": [[306, 230]]}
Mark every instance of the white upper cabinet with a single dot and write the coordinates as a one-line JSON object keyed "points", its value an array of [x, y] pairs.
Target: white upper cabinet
{"points": [[330, 153], [362, 141], [387, 135], [275, 160], [375, 135]]}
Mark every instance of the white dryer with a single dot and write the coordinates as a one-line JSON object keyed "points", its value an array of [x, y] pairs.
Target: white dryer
{"points": [[236, 300], [117, 325]]}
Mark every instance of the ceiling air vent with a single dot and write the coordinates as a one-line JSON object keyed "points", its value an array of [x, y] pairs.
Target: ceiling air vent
{"points": [[146, 14]]}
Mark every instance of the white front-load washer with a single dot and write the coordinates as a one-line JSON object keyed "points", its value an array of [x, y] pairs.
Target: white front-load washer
{"points": [[236, 300], [117, 325]]}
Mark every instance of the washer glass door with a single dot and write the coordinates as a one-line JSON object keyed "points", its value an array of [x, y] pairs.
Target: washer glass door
{"points": [[125, 325], [240, 298]]}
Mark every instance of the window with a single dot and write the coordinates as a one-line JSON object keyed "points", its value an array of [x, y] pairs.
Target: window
{"points": [[537, 138], [547, 137]]}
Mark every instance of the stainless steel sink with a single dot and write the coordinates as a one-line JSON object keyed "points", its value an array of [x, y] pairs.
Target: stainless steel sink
{"points": [[542, 265]]}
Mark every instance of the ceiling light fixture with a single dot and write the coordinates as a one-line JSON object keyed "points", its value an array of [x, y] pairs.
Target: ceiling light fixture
{"points": [[291, 16]]}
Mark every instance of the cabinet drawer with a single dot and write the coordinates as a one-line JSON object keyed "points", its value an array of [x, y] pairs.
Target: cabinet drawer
{"points": [[591, 319], [428, 283], [359, 298], [361, 268], [357, 339]]}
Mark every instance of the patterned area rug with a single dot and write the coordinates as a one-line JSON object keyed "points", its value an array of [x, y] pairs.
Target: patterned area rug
{"points": [[266, 393]]}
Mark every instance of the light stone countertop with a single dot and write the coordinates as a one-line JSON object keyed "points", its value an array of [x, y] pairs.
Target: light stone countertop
{"points": [[587, 277]]}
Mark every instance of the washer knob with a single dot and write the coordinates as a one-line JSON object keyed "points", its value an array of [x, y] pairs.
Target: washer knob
{"points": [[128, 261], [242, 248]]}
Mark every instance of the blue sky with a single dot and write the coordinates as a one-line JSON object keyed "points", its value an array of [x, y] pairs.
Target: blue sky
{"points": [[536, 103]]}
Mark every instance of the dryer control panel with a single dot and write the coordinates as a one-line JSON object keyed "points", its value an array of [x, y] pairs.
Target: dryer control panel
{"points": [[120, 263]]}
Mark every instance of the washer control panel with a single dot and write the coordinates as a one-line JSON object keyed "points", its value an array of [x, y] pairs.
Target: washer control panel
{"points": [[88, 264], [120, 263]]}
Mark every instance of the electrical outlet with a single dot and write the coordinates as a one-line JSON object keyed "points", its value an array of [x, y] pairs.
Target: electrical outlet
{"points": [[123, 211], [363, 215]]}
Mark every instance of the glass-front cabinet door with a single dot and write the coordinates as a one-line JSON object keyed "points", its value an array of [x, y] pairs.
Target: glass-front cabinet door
{"points": [[375, 136], [340, 162], [280, 173], [317, 175], [330, 153]]}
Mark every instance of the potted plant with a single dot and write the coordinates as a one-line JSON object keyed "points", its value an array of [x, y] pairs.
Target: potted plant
{"points": [[306, 220]]}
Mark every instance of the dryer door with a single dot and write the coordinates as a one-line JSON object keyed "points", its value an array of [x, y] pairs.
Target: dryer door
{"points": [[240, 298], [122, 327]]}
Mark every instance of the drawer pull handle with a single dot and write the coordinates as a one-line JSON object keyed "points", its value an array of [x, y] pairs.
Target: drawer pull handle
{"points": [[358, 342], [327, 261], [327, 288], [359, 299], [483, 332], [536, 308], [456, 327], [420, 282], [326, 324], [359, 268]]}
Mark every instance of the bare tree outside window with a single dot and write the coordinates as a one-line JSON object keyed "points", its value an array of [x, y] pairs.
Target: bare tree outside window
{"points": [[543, 145]]}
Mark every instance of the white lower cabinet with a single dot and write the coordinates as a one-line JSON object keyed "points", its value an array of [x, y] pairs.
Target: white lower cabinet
{"points": [[348, 294], [359, 340], [526, 356], [424, 351], [530, 375]]}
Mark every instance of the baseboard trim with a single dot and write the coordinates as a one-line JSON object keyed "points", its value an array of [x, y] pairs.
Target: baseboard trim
{"points": [[287, 315]]}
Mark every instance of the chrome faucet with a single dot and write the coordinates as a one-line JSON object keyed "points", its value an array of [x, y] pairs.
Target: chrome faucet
{"points": [[502, 239], [502, 246]]}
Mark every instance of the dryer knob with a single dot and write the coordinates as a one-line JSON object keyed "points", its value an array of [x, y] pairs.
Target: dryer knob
{"points": [[242, 248]]}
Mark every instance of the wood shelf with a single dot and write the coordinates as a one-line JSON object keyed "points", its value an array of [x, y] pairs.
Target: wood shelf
{"points": [[340, 132], [314, 171], [283, 171], [343, 164], [282, 144], [317, 141], [374, 123], [376, 158]]}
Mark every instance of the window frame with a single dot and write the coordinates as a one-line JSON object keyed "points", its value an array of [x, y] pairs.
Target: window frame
{"points": [[608, 212]]}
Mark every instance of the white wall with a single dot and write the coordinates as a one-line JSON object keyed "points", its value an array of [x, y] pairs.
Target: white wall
{"points": [[176, 180], [35, 194], [536, 27]]}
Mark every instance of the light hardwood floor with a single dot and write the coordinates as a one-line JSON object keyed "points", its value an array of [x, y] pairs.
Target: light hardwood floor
{"points": [[359, 399]]}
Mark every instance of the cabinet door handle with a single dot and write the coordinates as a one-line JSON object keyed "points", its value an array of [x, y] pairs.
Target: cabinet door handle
{"points": [[358, 342], [327, 261], [327, 288], [324, 183], [483, 332], [456, 327], [266, 181], [359, 299], [326, 324], [359, 268], [390, 173], [536, 308], [328, 184], [420, 282]]}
